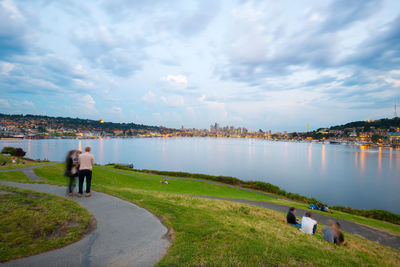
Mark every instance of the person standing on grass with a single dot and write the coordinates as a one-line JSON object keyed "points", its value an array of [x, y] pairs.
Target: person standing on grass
{"points": [[86, 162], [308, 225]]}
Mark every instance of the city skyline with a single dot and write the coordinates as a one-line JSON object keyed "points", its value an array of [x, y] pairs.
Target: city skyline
{"points": [[258, 65]]}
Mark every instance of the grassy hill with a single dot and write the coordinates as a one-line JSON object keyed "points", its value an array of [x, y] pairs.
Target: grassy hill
{"points": [[220, 233]]}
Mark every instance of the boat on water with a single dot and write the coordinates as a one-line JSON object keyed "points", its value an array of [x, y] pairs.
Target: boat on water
{"points": [[334, 142]]}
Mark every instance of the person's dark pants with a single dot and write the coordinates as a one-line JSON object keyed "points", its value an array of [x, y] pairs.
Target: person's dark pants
{"points": [[82, 175], [71, 182], [314, 229]]}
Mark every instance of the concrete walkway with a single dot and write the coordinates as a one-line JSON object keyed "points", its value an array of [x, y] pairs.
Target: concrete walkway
{"points": [[126, 235], [28, 171], [367, 232]]}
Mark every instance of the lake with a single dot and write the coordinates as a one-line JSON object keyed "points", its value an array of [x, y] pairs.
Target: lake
{"points": [[336, 174]]}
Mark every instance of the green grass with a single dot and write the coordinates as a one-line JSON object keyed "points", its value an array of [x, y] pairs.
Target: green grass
{"points": [[54, 174], [22, 163], [32, 222], [14, 176], [220, 233], [182, 186]]}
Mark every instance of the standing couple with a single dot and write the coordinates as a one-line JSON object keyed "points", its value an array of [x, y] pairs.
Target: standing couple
{"points": [[79, 165]]}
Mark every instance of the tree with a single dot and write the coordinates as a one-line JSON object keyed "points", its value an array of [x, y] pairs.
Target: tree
{"points": [[375, 138], [19, 152], [8, 150]]}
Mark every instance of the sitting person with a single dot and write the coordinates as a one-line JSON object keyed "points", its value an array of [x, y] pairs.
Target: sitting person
{"points": [[313, 206], [329, 232], [308, 225], [333, 234], [291, 217], [339, 239]]}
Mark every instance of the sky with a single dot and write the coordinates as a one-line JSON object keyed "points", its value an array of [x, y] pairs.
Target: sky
{"points": [[270, 65]]}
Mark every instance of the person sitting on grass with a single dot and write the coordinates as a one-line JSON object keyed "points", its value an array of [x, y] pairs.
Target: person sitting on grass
{"points": [[291, 217], [308, 225], [333, 234], [339, 239], [329, 232]]}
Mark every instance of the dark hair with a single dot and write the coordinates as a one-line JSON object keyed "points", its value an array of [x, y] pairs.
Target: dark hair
{"points": [[338, 224], [308, 214], [87, 149], [292, 209], [69, 154]]}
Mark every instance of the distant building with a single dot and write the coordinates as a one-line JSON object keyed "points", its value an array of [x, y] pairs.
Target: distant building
{"points": [[394, 137]]}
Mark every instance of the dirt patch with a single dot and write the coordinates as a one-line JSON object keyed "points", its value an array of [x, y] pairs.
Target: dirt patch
{"points": [[92, 225]]}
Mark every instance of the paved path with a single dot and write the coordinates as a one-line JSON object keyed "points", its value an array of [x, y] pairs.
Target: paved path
{"points": [[126, 235], [367, 232], [28, 171]]}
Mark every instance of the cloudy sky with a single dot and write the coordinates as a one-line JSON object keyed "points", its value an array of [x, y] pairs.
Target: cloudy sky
{"points": [[256, 64]]}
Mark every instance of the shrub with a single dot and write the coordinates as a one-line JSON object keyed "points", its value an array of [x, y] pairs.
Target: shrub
{"points": [[123, 167], [382, 215], [19, 152], [8, 150]]}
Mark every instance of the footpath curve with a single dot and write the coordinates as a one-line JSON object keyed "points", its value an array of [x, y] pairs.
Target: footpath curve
{"points": [[126, 235], [364, 231]]}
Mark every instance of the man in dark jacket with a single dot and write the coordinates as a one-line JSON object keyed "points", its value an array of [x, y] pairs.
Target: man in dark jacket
{"points": [[291, 217]]}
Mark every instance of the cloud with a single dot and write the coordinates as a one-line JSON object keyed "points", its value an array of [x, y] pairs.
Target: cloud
{"points": [[86, 104], [6, 68], [116, 110], [216, 111], [25, 104], [173, 100], [178, 81], [106, 49], [15, 31], [4, 103], [149, 98], [174, 18], [342, 13]]}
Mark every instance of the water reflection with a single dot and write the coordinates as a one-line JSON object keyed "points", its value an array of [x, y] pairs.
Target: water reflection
{"points": [[101, 150], [323, 160], [309, 155], [380, 160], [362, 159]]}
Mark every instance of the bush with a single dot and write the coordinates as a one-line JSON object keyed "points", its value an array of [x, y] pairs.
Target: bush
{"points": [[382, 215], [8, 150], [19, 152], [123, 167]]}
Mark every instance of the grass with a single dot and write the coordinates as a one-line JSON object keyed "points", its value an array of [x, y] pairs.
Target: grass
{"points": [[32, 222], [14, 176], [382, 215], [54, 174], [182, 186], [22, 163], [221, 233]]}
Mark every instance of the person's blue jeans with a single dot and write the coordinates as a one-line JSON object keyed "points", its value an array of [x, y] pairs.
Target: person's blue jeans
{"points": [[314, 229]]}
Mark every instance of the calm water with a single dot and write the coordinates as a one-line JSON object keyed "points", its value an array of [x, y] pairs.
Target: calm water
{"points": [[335, 174]]}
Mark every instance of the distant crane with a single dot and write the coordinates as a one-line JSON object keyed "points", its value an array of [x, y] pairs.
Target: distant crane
{"points": [[308, 127], [395, 109]]}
